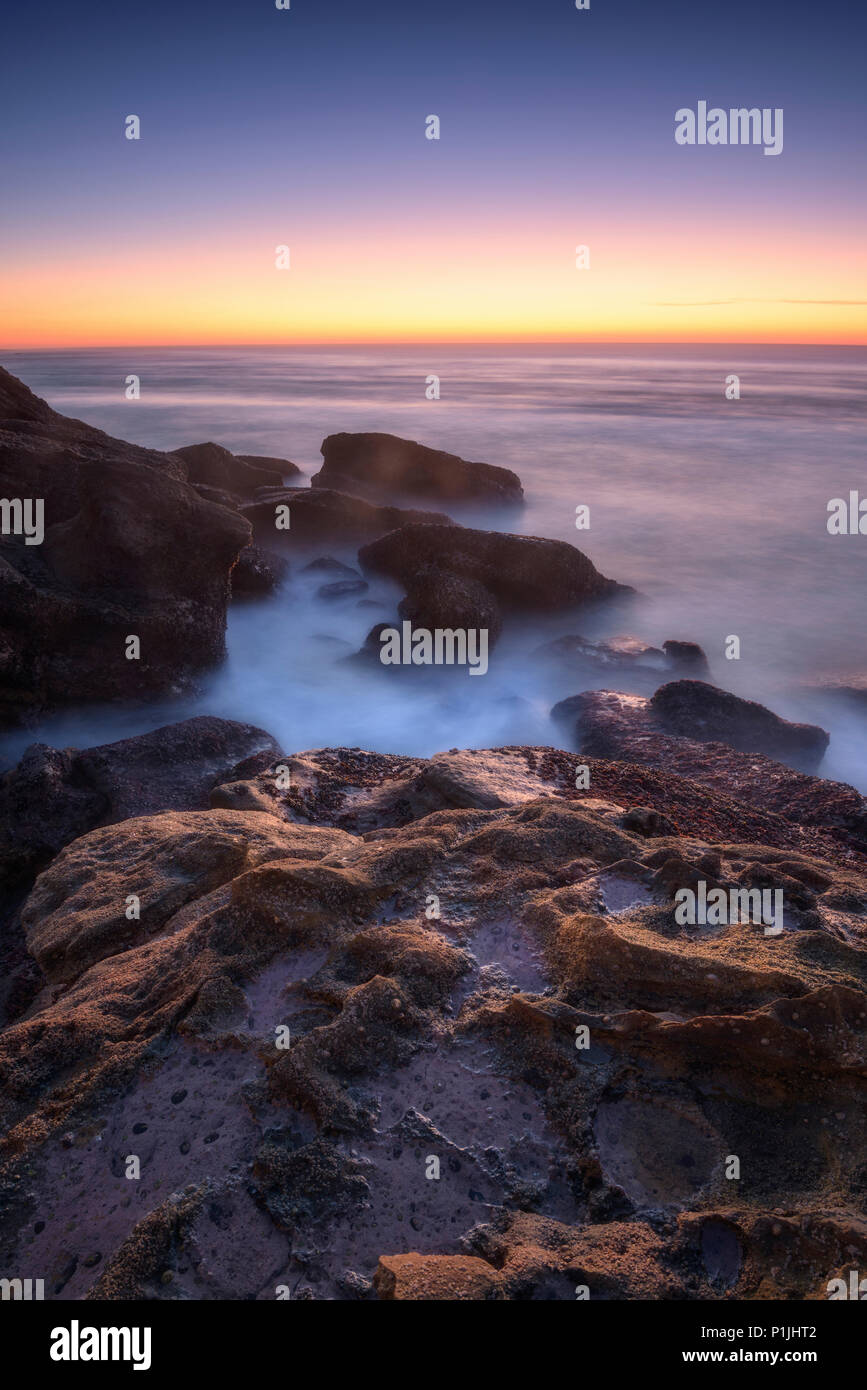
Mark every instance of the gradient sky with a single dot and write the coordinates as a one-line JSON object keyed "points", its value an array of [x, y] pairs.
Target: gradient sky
{"points": [[306, 127]]}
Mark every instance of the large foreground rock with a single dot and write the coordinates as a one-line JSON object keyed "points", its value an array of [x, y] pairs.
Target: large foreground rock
{"points": [[523, 572], [303, 1015], [130, 550], [383, 464]]}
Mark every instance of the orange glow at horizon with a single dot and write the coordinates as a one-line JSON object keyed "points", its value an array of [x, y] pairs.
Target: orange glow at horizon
{"points": [[488, 286]]}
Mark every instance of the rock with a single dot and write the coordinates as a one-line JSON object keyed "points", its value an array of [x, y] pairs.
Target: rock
{"points": [[319, 515], [129, 549], [621, 654], [342, 588], [450, 1278], [41, 450], [609, 724], [257, 572], [326, 564], [216, 467], [686, 656], [218, 495], [283, 467], [624, 656], [382, 464], [438, 599], [174, 767], [78, 911], [54, 796], [523, 572], [44, 803], [694, 709], [433, 962]]}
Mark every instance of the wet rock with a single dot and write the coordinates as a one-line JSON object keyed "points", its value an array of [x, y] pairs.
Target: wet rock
{"points": [[523, 572], [257, 572], [283, 467], [438, 599], [694, 709], [686, 656], [52, 796], [850, 688], [380, 464], [627, 656]]}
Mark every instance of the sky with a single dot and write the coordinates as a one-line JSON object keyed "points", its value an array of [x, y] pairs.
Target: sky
{"points": [[306, 128]]}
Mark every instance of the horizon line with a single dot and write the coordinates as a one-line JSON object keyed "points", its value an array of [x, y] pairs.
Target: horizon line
{"points": [[438, 342]]}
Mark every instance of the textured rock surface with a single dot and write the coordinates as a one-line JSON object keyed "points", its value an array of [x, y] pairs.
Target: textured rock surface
{"points": [[428, 1029], [52, 796], [257, 572], [694, 709], [379, 464], [438, 599], [612, 725]]}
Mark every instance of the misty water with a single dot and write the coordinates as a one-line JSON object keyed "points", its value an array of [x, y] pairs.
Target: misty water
{"points": [[714, 510]]}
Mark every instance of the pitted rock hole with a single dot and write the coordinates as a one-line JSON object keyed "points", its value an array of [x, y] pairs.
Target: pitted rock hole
{"points": [[660, 1153], [720, 1253]]}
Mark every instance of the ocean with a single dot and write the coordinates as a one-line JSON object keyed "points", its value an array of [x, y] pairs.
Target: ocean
{"points": [[714, 510]]}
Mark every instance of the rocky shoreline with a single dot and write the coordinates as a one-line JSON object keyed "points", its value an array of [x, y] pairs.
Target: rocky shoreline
{"points": [[342, 1024]]}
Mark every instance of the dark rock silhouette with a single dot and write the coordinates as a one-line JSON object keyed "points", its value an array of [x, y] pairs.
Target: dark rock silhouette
{"points": [[383, 464], [213, 466], [129, 549], [523, 572], [321, 515]]}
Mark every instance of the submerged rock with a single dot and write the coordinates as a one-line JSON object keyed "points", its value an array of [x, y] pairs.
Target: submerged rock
{"points": [[438, 599], [627, 656]]}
